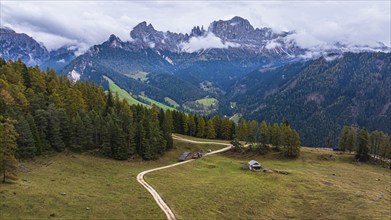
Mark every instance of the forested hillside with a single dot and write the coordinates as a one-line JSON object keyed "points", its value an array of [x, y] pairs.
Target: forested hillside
{"points": [[319, 97], [51, 113]]}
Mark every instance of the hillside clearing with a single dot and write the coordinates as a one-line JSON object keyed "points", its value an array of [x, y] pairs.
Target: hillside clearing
{"points": [[158, 104], [123, 94]]}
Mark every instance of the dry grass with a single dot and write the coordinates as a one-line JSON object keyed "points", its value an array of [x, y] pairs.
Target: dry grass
{"points": [[213, 187], [217, 188]]}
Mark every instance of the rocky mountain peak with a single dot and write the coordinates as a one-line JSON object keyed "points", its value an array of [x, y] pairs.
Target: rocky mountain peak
{"points": [[142, 31], [197, 31], [235, 29], [6, 30], [114, 41]]}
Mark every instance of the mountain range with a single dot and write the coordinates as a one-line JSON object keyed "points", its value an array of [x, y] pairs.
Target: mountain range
{"points": [[254, 72]]}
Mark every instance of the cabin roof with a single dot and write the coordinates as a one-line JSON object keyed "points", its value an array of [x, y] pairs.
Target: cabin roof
{"points": [[253, 163]]}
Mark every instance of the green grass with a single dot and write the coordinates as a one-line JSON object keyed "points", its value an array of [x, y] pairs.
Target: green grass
{"points": [[216, 187], [123, 94], [171, 102], [108, 187], [158, 104], [143, 76], [207, 101]]}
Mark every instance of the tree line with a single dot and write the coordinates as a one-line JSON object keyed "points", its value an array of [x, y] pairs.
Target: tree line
{"points": [[375, 144], [42, 111], [281, 136]]}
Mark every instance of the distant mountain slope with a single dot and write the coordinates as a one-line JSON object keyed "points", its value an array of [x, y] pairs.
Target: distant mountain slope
{"points": [[19, 45], [319, 97], [136, 71]]}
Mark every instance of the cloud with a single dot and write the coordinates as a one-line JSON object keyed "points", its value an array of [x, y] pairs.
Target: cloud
{"points": [[272, 44], [58, 23], [205, 42]]}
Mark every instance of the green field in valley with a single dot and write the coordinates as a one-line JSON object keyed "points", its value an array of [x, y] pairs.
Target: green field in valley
{"points": [[207, 101], [158, 104], [171, 102], [123, 94]]}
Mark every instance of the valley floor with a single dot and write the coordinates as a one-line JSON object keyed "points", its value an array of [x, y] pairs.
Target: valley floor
{"points": [[81, 186]]}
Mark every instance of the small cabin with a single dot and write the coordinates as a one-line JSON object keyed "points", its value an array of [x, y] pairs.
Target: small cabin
{"points": [[254, 165], [185, 156]]}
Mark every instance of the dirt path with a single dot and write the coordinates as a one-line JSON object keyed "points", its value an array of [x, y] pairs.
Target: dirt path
{"points": [[163, 205]]}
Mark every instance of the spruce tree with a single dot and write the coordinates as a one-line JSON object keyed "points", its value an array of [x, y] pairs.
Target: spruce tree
{"points": [[242, 130], [34, 132], [210, 130], [8, 146], [167, 128], [200, 127], [344, 139], [54, 130], [226, 129], [78, 133], [263, 133], [26, 144], [42, 124], [252, 131]]}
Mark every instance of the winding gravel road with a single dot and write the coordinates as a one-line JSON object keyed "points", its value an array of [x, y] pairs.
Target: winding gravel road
{"points": [[163, 205]]}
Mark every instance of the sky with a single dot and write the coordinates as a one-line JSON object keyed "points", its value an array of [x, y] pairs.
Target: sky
{"points": [[85, 23]]}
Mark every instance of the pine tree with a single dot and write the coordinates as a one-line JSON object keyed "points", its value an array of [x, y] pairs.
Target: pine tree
{"points": [[8, 162], [252, 131], [363, 140], [226, 129], [42, 125], [34, 132], [109, 102], [344, 139], [191, 125], [242, 130], [352, 139], [88, 140], [26, 144], [210, 130], [167, 128], [200, 127], [264, 134], [275, 135], [78, 133], [118, 148], [54, 130], [65, 127]]}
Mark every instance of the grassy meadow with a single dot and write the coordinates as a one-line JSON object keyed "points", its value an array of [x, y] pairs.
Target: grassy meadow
{"points": [[94, 187], [214, 187], [158, 104]]}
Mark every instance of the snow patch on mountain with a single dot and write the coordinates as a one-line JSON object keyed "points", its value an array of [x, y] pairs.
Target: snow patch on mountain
{"points": [[272, 44], [168, 59], [74, 75]]}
